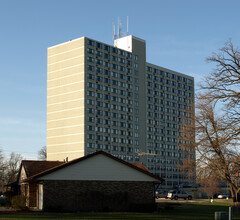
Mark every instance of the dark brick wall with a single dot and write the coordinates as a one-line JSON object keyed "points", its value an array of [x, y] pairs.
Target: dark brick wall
{"points": [[64, 195]]}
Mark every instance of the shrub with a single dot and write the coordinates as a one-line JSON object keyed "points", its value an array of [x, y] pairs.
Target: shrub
{"points": [[8, 195], [19, 202]]}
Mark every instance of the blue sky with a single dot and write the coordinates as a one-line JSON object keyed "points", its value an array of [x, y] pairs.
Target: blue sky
{"points": [[179, 34]]}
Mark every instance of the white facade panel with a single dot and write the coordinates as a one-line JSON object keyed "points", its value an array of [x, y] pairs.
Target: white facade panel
{"points": [[98, 167]]}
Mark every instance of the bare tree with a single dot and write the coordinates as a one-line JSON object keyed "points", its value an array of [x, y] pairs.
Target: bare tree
{"points": [[217, 144], [222, 84], [186, 145], [2, 171], [218, 121], [12, 167], [187, 169], [42, 153], [210, 185], [9, 168]]}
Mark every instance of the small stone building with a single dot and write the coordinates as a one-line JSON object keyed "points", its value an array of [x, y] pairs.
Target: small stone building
{"points": [[96, 182]]}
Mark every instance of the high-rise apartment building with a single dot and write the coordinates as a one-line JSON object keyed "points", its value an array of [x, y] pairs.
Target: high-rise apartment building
{"points": [[103, 97]]}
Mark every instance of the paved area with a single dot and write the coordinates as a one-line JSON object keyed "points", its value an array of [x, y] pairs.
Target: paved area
{"points": [[3, 211], [181, 200]]}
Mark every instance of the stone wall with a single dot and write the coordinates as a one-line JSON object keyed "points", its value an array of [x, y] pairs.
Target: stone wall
{"points": [[30, 192], [65, 195]]}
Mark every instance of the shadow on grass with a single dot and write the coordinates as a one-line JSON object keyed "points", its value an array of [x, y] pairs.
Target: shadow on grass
{"points": [[168, 211]]}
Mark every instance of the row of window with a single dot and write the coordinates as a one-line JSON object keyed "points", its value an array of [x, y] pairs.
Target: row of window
{"points": [[168, 96], [118, 76], [169, 117], [111, 49], [113, 58], [109, 73], [167, 110], [169, 75], [111, 147], [162, 80], [168, 89], [113, 106], [115, 83], [161, 123], [161, 138], [110, 98], [109, 139], [179, 85], [112, 131], [170, 104], [127, 157], [164, 169], [113, 123], [112, 114], [157, 101], [113, 66], [116, 142], [161, 87], [113, 90], [161, 160], [158, 145], [162, 131]]}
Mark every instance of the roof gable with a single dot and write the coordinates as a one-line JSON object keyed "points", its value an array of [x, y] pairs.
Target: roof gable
{"points": [[33, 167], [22, 174], [97, 166]]}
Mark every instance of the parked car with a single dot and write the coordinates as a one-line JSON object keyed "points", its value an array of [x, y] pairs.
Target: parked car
{"points": [[3, 200], [159, 194], [223, 196], [177, 194]]}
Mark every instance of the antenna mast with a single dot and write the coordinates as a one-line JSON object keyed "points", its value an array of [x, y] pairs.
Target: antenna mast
{"points": [[127, 25], [119, 33], [113, 31]]}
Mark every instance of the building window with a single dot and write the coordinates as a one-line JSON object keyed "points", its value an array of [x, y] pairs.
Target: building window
{"points": [[90, 42], [114, 50], [91, 51], [99, 45], [91, 68]]}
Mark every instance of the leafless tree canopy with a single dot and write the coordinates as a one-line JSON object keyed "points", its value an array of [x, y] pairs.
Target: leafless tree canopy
{"points": [[9, 168], [210, 185], [42, 153], [223, 83], [13, 164], [217, 144], [217, 118], [186, 138]]}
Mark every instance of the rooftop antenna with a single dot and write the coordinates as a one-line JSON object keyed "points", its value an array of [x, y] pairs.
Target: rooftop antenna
{"points": [[113, 31], [119, 28], [119, 33], [127, 25]]}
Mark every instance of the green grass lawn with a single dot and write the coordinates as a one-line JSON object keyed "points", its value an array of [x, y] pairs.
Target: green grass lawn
{"points": [[167, 210]]}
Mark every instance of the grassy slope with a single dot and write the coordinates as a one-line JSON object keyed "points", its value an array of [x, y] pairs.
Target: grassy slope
{"points": [[168, 211]]}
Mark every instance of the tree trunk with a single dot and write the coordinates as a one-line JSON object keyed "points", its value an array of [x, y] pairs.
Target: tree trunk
{"points": [[233, 194], [236, 205]]}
